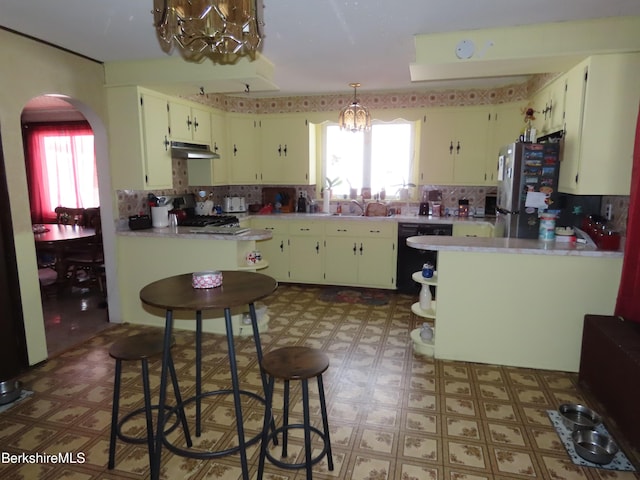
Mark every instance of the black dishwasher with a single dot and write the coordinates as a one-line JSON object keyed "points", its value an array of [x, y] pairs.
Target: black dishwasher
{"points": [[410, 260]]}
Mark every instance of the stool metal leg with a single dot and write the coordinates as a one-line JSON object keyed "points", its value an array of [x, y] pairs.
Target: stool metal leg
{"points": [[236, 394], [325, 422], [268, 420], [263, 376], [147, 407], [198, 371], [114, 415], [157, 457], [307, 427], [285, 420], [176, 390]]}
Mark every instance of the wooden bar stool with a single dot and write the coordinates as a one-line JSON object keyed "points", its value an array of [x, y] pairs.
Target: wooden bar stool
{"points": [[141, 347], [295, 363]]}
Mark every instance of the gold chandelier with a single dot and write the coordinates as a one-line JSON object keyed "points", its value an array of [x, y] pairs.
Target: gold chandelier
{"points": [[210, 26], [354, 116]]}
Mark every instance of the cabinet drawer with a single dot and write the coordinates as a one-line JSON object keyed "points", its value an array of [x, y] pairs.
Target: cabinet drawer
{"points": [[315, 229], [375, 229], [277, 227], [340, 229]]}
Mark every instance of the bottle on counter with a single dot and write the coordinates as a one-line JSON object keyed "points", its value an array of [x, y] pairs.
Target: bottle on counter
{"points": [[302, 204]]}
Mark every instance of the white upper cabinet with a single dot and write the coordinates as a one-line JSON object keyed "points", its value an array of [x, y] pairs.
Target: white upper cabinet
{"points": [[286, 157], [453, 146], [603, 93], [139, 139], [549, 105], [243, 161], [189, 123]]}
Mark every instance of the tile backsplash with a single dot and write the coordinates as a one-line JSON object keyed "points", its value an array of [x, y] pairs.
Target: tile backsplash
{"points": [[133, 202]]}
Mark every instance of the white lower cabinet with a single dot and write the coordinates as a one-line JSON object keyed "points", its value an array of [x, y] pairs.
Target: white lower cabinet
{"points": [[276, 249], [356, 253], [306, 251]]}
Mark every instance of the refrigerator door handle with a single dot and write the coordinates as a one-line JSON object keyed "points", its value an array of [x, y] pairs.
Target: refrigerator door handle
{"points": [[507, 212]]}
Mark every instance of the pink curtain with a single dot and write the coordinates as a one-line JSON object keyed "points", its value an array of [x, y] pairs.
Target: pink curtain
{"points": [[628, 303], [61, 168]]}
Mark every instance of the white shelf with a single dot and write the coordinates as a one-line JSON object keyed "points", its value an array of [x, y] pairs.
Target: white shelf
{"points": [[420, 346], [430, 313], [417, 277], [254, 266]]}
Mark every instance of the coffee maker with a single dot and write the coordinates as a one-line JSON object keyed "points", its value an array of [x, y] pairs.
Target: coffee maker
{"points": [[424, 204]]}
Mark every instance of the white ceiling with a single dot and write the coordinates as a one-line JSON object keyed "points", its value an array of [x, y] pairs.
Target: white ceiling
{"points": [[317, 46]]}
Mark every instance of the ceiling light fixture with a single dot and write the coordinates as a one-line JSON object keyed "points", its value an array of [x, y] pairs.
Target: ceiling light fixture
{"points": [[210, 26], [354, 116]]}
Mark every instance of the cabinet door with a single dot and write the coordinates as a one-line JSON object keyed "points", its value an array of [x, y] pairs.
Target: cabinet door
{"points": [[157, 154], [436, 147], [201, 127], [470, 146], [205, 172], [376, 262], [570, 157], [286, 158], [341, 260], [243, 158], [180, 121], [276, 252], [306, 259]]}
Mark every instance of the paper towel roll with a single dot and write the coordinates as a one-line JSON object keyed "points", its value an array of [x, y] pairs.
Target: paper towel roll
{"points": [[160, 216]]}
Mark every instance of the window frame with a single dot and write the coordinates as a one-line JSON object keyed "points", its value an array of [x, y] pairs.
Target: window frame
{"points": [[413, 149]]}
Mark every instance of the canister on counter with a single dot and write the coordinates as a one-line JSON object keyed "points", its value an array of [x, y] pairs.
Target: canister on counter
{"points": [[547, 230]]}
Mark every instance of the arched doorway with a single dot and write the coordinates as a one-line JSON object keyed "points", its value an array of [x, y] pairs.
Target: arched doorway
{"points": [[71, 315]]}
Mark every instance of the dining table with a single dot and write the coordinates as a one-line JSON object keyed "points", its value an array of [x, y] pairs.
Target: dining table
{"points": [[177, 293], [60, 240]]}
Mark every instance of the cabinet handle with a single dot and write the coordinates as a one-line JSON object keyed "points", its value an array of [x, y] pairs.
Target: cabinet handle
{"points": [[189, 123], [451, 148], [458, 148], [195, 124], [361, 249], [374, 231], [285, 149], [354, 248], [282, 245], [166, 143], [215, 147], [318, 248], [279, 150], [235, 149], [304, 229]]}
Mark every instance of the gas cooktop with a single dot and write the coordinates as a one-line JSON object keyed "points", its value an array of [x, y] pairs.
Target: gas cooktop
{"points": [[210, 220]]}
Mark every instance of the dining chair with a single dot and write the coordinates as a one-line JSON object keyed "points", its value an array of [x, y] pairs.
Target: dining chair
{"points": [[88, 258], [70, 216]]}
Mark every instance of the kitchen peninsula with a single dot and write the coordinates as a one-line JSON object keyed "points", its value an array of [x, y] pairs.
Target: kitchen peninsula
{"points": [[518, 302], [148, 255]]}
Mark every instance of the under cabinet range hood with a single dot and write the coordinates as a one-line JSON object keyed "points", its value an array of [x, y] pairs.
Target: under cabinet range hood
{"points": [[191, 150]]}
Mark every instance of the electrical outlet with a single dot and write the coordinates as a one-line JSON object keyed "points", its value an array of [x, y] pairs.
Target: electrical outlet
{"points": [[608, 211]]}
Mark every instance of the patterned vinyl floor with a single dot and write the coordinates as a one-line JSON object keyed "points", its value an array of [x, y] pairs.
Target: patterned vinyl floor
{"points": [[393, 414]]}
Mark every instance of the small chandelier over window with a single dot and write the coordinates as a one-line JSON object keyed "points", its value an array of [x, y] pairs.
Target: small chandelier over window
{"points": [[219, 27], [354, 116]]}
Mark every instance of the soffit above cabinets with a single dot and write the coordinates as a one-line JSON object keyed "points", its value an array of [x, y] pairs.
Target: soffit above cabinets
{"points": [[176, 76], [522, 50]]}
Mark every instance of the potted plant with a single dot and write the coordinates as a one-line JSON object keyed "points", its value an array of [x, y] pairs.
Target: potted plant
{"points": [[326, 194]]}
